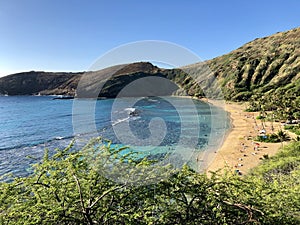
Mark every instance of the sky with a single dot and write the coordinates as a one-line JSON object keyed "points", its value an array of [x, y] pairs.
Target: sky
{"points": [[69, 35]]}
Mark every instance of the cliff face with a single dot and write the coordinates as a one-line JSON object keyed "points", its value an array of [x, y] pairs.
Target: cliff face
{"points": [[259, 66]]}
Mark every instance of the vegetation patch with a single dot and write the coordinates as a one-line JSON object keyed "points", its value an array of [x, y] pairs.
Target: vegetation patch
{"points": [[70, 188], [280, 136], [293, 128]]}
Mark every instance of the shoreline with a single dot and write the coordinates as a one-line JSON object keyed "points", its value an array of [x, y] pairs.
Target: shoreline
{"points": [[238, 151]]}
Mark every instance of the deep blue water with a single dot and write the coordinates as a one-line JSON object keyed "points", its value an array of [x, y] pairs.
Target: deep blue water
{"points": [[29, 124]]}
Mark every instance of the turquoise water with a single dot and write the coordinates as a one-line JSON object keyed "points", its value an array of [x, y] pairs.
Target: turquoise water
{"points": [[29, 124]]}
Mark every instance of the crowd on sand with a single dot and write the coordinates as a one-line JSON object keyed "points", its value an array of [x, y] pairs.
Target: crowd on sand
{"points": [[239, 151]]}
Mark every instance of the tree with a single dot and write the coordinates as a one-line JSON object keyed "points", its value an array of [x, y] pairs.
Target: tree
{"points": [[282, 136], [75, 186]]}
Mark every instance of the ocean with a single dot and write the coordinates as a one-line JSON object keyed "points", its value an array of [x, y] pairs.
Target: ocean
{"points": [[152, 126]]}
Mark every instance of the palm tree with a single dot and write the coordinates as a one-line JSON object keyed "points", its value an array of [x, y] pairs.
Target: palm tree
{"points": [[282, 136]]}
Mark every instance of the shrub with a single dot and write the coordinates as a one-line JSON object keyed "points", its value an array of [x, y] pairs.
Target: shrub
{"points": [[280, 136], [260, 117], [70, 188], [293, 128]]}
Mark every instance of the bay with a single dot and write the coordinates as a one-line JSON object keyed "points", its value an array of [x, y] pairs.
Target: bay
{"points": [[29, 124]]}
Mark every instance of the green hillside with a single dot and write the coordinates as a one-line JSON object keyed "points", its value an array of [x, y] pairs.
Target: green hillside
{"points": [[259, 66]]}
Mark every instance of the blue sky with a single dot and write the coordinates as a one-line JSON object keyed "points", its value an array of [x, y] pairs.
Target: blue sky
{"points": [[65, 35]]}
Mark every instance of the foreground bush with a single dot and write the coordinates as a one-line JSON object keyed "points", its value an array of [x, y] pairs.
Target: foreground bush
{"points": [[70, 188]]}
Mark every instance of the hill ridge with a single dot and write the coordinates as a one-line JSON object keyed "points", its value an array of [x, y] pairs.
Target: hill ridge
{"points": [[259, 66]]}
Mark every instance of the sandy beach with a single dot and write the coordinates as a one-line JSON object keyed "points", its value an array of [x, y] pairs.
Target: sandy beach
{"points": [[239, 151]]}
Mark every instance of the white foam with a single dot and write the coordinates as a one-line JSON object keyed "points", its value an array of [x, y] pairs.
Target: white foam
{"points": [[119, 121], [130, 109], [59, 138]]}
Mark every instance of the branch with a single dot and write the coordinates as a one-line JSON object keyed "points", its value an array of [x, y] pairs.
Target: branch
{"points": [[39, 183], [39, 177], [48, 186], [104, 194], [110, 204], [85, 211], [80, 192], [249, 210]]}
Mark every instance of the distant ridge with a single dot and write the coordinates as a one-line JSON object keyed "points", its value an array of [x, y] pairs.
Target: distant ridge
{"points": [[39, 82], [260, 66], [110, 80]]}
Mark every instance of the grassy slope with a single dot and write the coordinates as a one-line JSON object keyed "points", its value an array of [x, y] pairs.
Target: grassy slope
{"points": [[260, 65]]}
